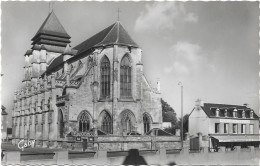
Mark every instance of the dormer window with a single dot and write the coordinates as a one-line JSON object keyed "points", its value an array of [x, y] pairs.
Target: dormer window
{"points": [[225, 113], [251, 114], [217, 112], [234, 113], [243, 114]]}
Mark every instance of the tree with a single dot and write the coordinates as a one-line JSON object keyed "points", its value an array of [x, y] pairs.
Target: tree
{"points": [[185, 124], [168, 113]]}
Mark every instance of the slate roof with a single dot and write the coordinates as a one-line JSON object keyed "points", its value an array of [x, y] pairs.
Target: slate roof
{"points": [[51, 32], [210, 109], [115, 34], [55, 64], [28, 52], [52, 26], [58, 61], [158, 132]]}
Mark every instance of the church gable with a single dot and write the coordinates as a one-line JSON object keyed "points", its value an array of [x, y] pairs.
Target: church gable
{"points": [[115, 34]]}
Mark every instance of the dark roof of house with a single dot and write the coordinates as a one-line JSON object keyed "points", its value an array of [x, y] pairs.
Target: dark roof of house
{"points": [[210, 110], [52, 26], [3, 112], [114, 34], [158, 132]]}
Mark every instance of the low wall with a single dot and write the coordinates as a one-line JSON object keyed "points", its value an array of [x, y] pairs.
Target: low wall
{"points": [[237, 157], [123, 143], [113, 143], [138, 142]]}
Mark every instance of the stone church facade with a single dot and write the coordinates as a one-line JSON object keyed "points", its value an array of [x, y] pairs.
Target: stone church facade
{"points": [[95, 88]]}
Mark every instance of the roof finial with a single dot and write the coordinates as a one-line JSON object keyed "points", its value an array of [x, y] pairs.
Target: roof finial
{"points": [[118, 11], [50, 6]]}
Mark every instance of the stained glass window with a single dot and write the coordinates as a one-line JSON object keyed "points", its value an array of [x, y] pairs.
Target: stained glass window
{"points": [[125, 78], [105, 78], [84, 122], [106, 123]]}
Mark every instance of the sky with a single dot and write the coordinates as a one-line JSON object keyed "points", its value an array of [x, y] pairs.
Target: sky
{"points": [[211, 47]]}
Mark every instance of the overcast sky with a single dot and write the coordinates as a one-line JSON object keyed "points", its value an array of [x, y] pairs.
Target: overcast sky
{"points": [[211, 47]]}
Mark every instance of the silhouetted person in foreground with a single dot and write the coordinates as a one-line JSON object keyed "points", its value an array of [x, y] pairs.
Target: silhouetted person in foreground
{"points": [[172, 163], [133, 158], [2, 155]]}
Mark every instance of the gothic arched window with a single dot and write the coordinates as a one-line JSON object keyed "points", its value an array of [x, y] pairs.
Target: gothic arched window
{"points": [[84, 122], [127, 121], [105, 77], [61, 124], [146, 121], [125, 78], [106, 123]]}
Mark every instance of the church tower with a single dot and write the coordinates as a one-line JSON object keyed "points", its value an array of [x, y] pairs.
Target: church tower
{"points": [[35, 101]]}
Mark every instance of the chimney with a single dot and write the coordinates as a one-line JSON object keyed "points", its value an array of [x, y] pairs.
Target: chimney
{"points": [[246, 104], [199, 103]]}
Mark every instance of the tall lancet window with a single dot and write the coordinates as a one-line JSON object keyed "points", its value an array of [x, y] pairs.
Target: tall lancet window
{"points": [[106, 123], [125, 78], [61, 124], [84, 122], [105, 77]]}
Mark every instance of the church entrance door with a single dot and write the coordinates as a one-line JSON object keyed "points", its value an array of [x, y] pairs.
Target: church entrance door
{"points": [[128, 125], [85, 144]]}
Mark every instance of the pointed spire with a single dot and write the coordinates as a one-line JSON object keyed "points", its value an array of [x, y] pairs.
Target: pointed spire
{"points": [[118, 14], [69, 51], [50, 6], [51, 32], [52, 26]]}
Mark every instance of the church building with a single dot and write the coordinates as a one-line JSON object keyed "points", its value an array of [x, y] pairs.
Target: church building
{"points": [[95, 88]]}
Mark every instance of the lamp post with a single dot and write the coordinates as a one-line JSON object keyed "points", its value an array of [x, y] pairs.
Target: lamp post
{"points": [[94, 90], [180, 84]]}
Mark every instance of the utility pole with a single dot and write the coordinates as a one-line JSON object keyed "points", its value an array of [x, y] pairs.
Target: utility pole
{"points": [[180, 84]]}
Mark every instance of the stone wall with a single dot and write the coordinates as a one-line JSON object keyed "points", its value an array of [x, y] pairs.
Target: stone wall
{"points": [[122, 143], [144, 98], [41, 102]]}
